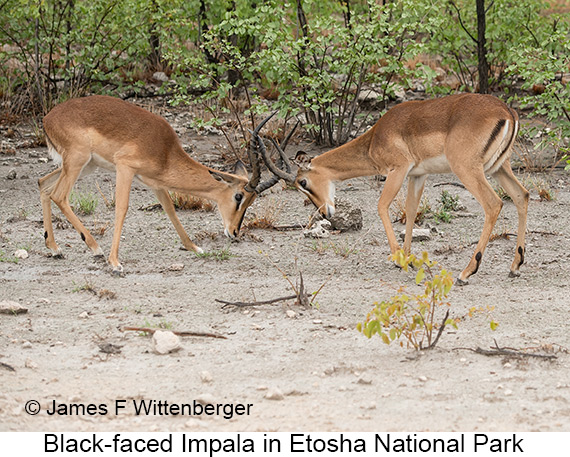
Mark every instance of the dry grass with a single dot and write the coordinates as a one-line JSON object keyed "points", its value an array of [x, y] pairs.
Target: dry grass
{"points": [[191, 203], [423, 210], [265, 217]]}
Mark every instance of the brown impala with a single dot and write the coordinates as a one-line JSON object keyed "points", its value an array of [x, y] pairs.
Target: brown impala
{"points": [[470, 135], [110, 133]]}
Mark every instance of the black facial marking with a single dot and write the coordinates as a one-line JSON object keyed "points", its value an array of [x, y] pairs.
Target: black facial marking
{"points": [[82, 236], [45, 235], [521, 253], [478, 259], [500, 124]]}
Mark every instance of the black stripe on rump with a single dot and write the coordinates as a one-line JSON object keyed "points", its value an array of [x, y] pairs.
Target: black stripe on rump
{"points": [[500, 124]]}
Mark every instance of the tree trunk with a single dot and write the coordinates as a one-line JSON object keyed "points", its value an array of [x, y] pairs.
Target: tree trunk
{"points": [[483, 65]]}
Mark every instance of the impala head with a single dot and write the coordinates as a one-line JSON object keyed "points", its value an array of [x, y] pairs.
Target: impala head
{"points": [[315, 184], [240, 192]]}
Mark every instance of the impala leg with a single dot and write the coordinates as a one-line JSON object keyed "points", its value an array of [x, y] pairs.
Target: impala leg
{"points": [[168, 207], [46, 185], [475, 182], [520, 196], [392, 186], [122, 191], [60, 196], [415, 190]]}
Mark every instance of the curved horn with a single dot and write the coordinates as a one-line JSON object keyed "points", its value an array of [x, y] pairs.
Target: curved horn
{"points": [[286, 175], [251, 186]]}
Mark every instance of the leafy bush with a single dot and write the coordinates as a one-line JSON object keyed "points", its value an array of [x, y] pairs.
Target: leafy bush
{"points": [[416, 318]]}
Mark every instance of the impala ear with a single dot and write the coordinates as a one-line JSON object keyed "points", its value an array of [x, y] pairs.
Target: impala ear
{"points": [[302, 160], [223, 177], [239, 169]]}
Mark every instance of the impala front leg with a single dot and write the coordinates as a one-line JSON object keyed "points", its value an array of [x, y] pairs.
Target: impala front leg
{"points": [[415, 190], [124, 182], [392, 186]]}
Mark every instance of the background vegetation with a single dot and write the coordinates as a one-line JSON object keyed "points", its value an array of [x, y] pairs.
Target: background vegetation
{"points": [[329, 62]]}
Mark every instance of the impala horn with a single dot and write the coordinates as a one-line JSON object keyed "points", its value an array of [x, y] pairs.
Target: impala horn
{"points": [[253, 184], [283, 161]]}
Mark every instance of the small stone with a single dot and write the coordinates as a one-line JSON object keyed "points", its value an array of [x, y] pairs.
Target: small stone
{"points": [[30, 364], [508, 392], [164, 342], [417, 235], [160, 76], [206, 399], [507, 365], [365, 380], [423, 378], [84, 315], [317, 321], [11, 174], [12, 307], [290, 313], [206, 377], [274, 394], [27, 345], [176, 267], [21, 254], [262, 388]]}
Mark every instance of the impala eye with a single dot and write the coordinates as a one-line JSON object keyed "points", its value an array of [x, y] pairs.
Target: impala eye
{"points": [[303, 183], [238, 197]]}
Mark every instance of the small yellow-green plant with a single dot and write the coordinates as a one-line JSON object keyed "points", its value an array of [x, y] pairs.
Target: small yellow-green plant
{"points": [[84, 202], [416, 318]]}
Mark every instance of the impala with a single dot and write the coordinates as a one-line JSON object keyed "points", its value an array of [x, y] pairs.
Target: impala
{"points": [[106, 132], [470, 135]]}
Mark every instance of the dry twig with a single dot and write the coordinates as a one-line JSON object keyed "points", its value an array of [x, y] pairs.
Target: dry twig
{"points": [[179, 333]]}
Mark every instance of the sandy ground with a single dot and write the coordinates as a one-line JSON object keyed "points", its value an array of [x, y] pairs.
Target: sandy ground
{"points": [[323, 374]]}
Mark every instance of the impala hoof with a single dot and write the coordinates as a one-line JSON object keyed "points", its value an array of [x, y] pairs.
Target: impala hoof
{"points": [[118, 271], [57, 255], [514, 274], [461, 282]]}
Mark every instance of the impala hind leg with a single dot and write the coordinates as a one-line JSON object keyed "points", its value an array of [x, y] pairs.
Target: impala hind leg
{"points": [[392, 186], [475, 182], [60, 195], [169, 209], [46, 185], [520, 197], [415, 190], [122, 190]]}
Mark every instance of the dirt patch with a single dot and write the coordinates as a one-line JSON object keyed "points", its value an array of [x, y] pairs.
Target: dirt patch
{"points": [[299, 368]]}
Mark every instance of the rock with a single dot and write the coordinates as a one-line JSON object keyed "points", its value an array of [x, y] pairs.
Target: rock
{"points": [[290, 313], [31, 364], [164, 342], [21, 254], [176, 267], [84, 315], [346, 217], [160, 76], [423, 378], [11, 174], [417, 234], [27, 345], [12, 307], [206, 377], [364, 380], [319, 230], [206, 399], [274, 394]]}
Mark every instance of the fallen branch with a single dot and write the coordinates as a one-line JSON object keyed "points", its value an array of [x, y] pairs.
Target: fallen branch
{"points": [[7, 367], [499, 351], [449, 183], [241, 304], [179, 333]]}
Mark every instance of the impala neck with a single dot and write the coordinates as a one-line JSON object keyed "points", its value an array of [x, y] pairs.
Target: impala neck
{"points": [[350, 160], [192, 177]]}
